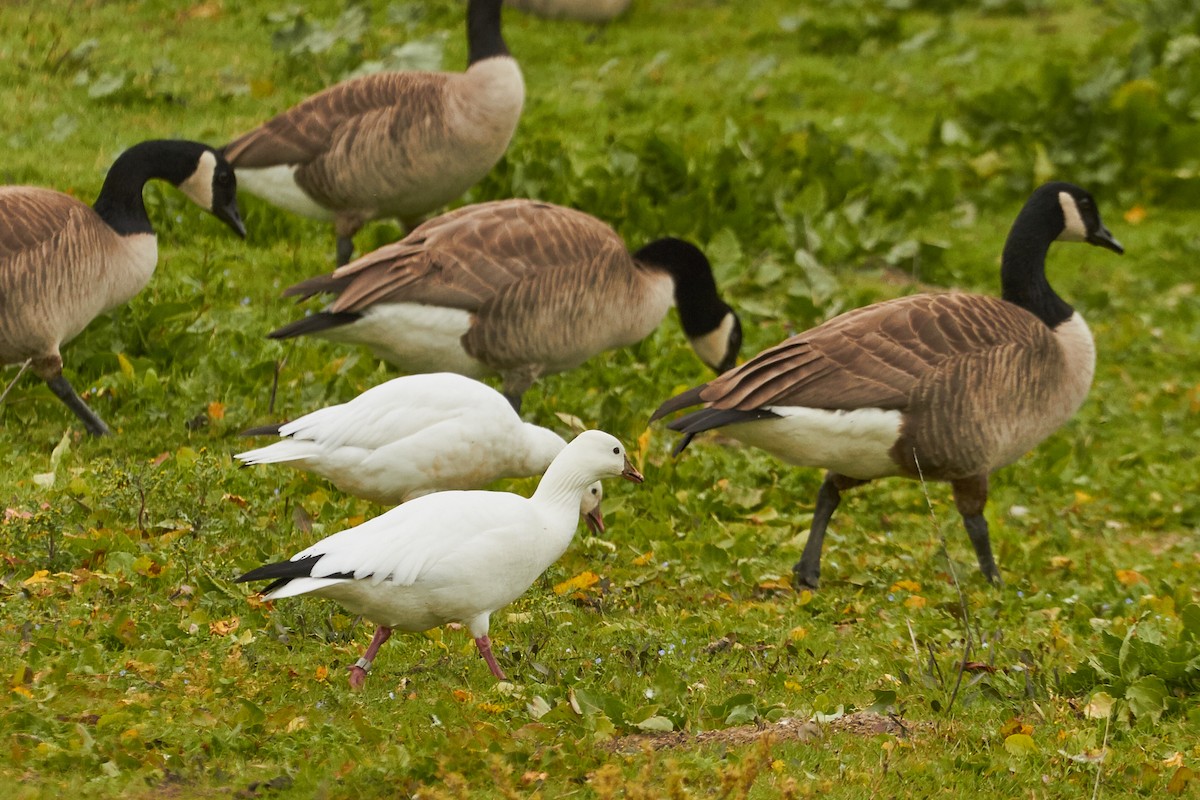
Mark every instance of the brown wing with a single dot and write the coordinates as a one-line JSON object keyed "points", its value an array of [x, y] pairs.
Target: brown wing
{"points": [[873, 357], [30, 216], [309, 129], [464, 258]]}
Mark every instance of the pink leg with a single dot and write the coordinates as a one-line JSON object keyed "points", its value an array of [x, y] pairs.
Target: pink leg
{"points": [[485, 649], [358, 672]]}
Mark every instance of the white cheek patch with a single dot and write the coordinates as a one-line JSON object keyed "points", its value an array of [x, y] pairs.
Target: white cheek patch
{"points": [[712, 346], [199, 185], [1074, 229]]}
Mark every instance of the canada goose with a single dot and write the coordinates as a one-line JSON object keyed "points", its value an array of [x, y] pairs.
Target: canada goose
{"points": [[395, 144], [583, 10], [449, 556], [946, 387], [414, 435], [519, 288], [63, 263]]}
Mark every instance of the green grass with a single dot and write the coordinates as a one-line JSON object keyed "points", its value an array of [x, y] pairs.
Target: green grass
{"points": [[136, 667]]}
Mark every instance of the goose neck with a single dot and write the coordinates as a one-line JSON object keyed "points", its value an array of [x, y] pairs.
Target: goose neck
{"points": [[1023, 270], [484, 39], [120, 201], [562, 487]]}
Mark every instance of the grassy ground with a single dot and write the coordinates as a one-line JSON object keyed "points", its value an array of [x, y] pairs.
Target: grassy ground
{"points": [[826, 155]]}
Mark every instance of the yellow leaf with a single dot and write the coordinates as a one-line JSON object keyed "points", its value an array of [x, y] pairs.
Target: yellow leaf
{"points": [[491, 708], [1128, 577], [793, 686], [1100, 706], [224, 627], [297, 723], [581, 581], [1015, 725], [1082, 498], [1135, 214], [797, 633], [126, 367], [914, 601], [131, 734], [216, 410], [23, 691], [322, 673], [644, 559], [237, 500], [1020, 744], [38, 577], [461, 695], [906, 586]]}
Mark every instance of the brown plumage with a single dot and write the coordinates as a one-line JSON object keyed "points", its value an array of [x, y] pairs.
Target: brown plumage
{"points": [[520, 288], [583, 10], [397, 144], [946, 387], [63, 263]]}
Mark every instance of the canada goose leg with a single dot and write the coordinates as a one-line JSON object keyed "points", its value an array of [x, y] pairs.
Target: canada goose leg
{"points": [[345, 225], [360, 668], [485, 649], [49, 368], [807, 571], [517, 381], [970, 496], [345, 249]]}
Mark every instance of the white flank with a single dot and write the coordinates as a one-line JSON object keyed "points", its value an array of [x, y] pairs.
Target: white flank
{"points": [[712, 346], [278, 185], [198, 185], [414, 337], [1074, 229], [853, 443]]}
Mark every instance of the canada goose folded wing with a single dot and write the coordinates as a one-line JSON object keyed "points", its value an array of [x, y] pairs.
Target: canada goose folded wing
{"points": [[873, 357], [30, 217], [467, 257], [331, 119]]}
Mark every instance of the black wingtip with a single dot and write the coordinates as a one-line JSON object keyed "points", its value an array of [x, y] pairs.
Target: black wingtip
{"points": [[314, 323], [262, 430], [683, 443], [689, 398]]}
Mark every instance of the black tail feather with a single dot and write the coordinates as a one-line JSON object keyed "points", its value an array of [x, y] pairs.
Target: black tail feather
{"points": [[689, 398], [707, 419], [314, 323]]}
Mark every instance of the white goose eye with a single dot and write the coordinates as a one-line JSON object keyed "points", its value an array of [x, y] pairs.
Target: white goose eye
{"points": [[616, 451]]}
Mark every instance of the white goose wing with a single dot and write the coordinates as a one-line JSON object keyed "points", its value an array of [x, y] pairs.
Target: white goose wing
{"points": [[399, 408], [406, 542]]}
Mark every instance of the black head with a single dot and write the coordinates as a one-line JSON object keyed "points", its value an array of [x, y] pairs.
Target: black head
{"points": [[1075, 213], [712, 327]]}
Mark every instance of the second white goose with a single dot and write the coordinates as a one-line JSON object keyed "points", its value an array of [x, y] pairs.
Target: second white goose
{"points": [[415, 435], [946, 387], [449, 556]]}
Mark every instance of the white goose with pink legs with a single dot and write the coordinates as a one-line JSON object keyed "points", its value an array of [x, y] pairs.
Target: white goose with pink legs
{"points": [[450, 556]]}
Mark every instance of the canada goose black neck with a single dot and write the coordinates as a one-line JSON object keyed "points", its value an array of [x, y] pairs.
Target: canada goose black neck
{"points": [[484, 39], [701, 309], [1023, 264], [120, 202]]}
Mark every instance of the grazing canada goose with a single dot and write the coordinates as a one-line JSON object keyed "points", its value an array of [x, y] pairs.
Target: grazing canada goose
{"points": [[415, 435], [946, 387], [519, 288], [583, 10], [63, 263], [449, 556], [395, 144]]}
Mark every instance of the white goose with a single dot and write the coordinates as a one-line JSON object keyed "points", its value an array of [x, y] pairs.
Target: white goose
{"points": [[415, 435], [449, 556]]}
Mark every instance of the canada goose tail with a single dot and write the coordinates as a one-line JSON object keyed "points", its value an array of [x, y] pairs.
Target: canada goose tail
{"points": [[320, 284], [314, 323], [689, 398], [707, 419]]}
